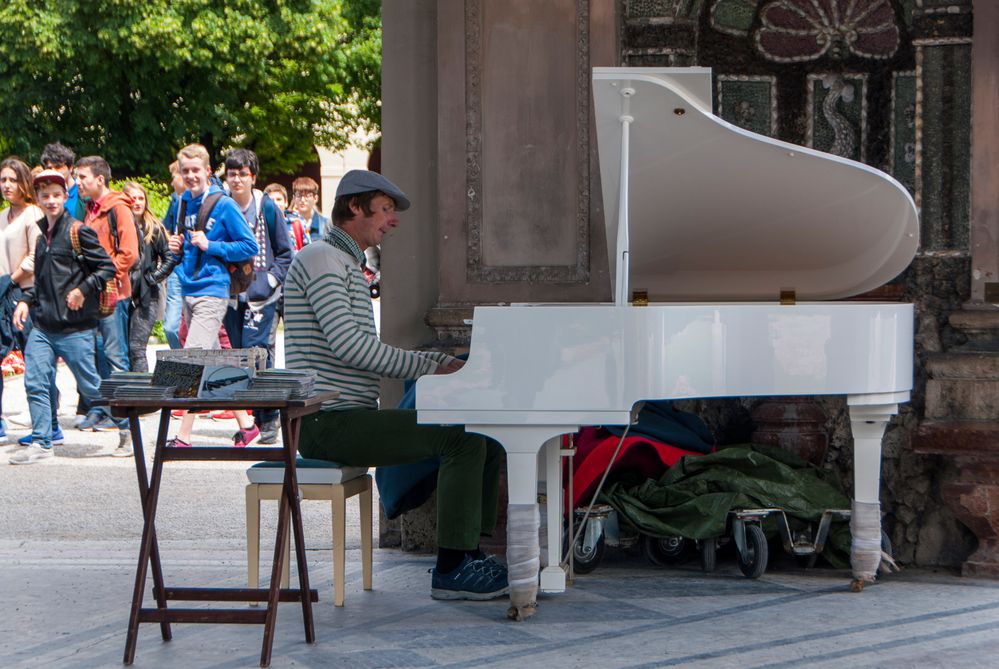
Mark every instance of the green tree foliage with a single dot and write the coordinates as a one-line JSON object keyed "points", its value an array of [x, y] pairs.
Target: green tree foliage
{"points": [[135, 81]]}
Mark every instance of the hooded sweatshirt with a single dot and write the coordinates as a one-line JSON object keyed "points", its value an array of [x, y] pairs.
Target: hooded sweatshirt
{"points": [[230, 239], [128, 243]]}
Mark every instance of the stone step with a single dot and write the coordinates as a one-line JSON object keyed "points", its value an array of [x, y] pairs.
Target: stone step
{"points": [[980, 326], [975, 319], [966, 399], [970, 365], [957, 437]]}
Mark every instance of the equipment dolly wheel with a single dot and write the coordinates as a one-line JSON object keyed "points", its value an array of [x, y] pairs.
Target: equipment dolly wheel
{"points": [[753, 558], [709, 555]]}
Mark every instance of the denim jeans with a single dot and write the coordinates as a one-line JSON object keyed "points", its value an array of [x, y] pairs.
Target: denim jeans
{"points": [[43, 350], [114, 331], [174, 305], [248, 328]]}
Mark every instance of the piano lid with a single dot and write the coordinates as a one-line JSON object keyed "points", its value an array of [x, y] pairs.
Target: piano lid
{"points": [[721, 213]]}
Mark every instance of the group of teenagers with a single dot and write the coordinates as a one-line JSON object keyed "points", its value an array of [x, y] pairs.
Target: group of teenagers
{"points": [[145, 275], [329, 321]]}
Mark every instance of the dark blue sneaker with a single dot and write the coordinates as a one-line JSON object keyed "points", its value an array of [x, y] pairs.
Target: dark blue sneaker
{"points": [[473, 579], [57, 438]]}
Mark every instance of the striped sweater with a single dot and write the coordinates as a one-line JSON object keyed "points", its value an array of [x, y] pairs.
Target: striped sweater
{"points": [[330, 326]]}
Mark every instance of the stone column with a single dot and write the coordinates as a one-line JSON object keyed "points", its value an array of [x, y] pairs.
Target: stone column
{"points": [[487, 125], [985, 154]]}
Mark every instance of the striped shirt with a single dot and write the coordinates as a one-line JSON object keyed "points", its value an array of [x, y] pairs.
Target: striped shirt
{"points": [[330, 326]]}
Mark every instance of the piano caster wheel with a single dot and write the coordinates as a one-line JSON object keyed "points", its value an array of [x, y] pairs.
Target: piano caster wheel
{"points": [[587, 553]]}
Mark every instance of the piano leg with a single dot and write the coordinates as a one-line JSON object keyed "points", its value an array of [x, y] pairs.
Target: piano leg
{"points": [[523, 548], [553, 576], [869, 416]]}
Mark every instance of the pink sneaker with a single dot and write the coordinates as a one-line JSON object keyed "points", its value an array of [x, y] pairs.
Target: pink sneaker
{"points": [[177, 442], [244, 438]]}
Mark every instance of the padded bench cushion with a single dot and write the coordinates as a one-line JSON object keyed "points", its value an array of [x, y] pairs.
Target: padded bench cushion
{"points": [[309, 472]]}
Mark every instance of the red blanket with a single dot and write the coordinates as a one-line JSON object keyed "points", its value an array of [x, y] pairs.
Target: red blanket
{"points": [[639, 456]]}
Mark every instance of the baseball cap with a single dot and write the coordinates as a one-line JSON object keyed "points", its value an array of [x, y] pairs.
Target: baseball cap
{"points": [[363, 181], [49, 177]]}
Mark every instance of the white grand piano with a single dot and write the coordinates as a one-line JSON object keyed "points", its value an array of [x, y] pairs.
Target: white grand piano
{"points": [[716, 224]]}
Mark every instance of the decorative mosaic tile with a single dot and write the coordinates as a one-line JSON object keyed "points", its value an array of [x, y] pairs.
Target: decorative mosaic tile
{"points": [[903, 129], [837, 114], [733, 17], [749, 102]]}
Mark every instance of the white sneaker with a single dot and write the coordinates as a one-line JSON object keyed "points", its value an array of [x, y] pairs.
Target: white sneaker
{"points": [[20, 419], [124, 449], [30, 455]]}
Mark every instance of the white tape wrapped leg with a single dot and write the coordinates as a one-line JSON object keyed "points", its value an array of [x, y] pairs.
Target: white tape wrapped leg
{"points": [[523, 559], [865, 526]]}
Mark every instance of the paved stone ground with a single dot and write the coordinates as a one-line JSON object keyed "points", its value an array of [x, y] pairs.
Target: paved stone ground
{"points": [[69, 530]]}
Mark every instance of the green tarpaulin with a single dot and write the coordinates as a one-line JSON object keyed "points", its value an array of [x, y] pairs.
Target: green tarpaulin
{"points": [[694, 497]]}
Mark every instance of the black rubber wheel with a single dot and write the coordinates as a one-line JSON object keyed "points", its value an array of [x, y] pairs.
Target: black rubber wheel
{"points": [[709, 555], [584, 560], [665, 551], [757, 553]]}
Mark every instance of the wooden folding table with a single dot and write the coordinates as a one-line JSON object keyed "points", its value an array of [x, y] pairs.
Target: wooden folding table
{"points": [[291, 412]]}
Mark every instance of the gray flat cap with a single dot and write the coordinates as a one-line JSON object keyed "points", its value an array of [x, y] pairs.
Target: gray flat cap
{"points": [[363, 181]]}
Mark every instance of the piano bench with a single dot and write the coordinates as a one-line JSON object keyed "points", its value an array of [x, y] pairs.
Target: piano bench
{"points": [[317, 479]]}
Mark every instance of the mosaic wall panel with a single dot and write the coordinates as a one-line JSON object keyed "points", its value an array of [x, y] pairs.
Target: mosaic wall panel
{"points": [[637, 9], [903, 129], [944, 168], [837, 120], [847, 80], [749, 102]]}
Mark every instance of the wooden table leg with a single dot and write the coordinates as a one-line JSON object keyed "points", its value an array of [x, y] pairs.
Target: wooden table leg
{"points": [[148, 545], [276, 567], [293, 431], [140, 467]]}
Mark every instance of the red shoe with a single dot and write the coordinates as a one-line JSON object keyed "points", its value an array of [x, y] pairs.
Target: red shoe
{"points": [[177, 442], [226, 415], [179, 413], [244, 438]]}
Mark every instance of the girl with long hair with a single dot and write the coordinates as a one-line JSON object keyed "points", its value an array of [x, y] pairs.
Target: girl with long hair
{"points": [[18, 233], [146, 293]]}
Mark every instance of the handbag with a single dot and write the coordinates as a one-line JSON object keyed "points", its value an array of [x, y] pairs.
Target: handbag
{"points": [[107, 299]]}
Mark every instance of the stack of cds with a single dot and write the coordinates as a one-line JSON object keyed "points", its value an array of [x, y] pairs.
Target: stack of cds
{"points": [[110, 385], [279, 384], [144, 392]]}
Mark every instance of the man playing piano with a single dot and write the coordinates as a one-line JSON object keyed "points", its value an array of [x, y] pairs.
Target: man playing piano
{"points": [[330, 329]]}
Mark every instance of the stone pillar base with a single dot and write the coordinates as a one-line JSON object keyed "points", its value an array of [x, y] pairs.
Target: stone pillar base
{"points": [[972, 494]]}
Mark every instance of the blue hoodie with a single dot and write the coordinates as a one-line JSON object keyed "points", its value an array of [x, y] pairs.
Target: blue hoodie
{"points": [[230, 239]]}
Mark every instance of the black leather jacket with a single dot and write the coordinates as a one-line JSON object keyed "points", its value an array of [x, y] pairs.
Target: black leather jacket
{"points": [[58, 271]]}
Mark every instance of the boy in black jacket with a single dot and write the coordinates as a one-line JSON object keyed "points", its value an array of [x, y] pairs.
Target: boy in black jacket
{"points": [[63, 304]]}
